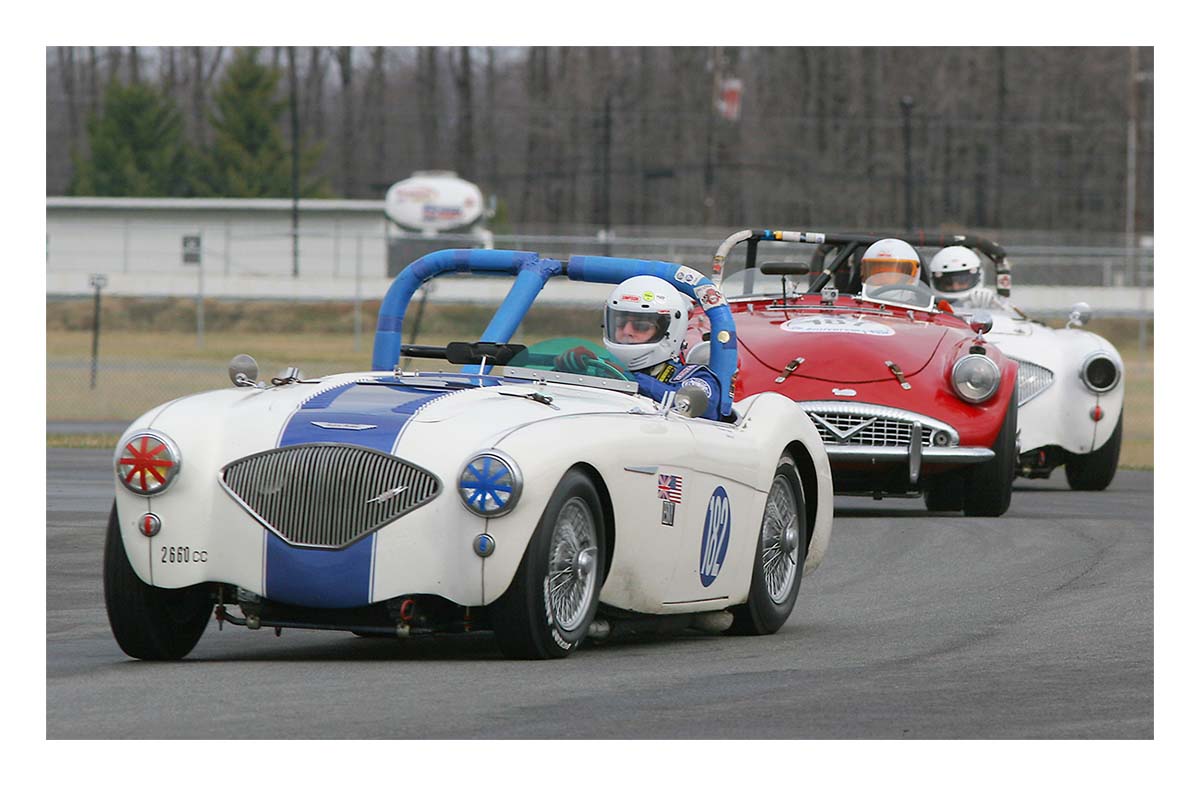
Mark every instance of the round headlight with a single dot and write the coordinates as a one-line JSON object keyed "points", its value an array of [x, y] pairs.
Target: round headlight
{"points": [[975, 378], [490, 484], [147, 463], [1100, 373]]}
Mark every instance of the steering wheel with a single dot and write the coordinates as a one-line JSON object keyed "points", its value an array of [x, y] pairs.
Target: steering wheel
{"points": [[878, 293], [604, 369]]}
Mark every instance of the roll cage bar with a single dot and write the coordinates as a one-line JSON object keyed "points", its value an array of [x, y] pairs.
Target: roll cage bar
{"points": [[532, 272], [846, 244]]}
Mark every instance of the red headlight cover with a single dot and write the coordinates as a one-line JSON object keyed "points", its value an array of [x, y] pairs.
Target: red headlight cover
{"points": [[147, 464]]}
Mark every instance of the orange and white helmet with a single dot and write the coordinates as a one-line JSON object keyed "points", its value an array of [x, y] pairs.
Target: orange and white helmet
{"points": [[955, 272], [890, 261]]}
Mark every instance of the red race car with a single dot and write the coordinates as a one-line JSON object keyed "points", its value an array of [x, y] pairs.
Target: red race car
{"points": [[907, 396]]}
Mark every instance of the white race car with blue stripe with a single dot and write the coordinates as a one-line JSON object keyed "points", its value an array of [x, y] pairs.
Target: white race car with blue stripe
{"points": [[500, 495]]}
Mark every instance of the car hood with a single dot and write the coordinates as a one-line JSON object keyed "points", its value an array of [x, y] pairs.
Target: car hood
{"points": [[377, 412], [837, 347]]}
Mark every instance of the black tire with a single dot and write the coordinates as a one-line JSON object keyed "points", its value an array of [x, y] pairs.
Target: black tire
{"points": [[989, 485], [524, 617], [761, 614], [944, 492], [1094, 471], [150, 623]]}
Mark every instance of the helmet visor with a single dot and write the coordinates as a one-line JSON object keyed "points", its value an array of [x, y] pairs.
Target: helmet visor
{"points": [[903, 268], [956, 280], [633, 327]]}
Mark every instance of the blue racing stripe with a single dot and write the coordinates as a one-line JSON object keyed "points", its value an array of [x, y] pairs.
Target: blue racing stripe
{"points": [[341, 578]]}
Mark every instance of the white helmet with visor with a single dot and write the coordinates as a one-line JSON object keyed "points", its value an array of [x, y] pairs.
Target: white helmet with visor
{"points": [[644, 322], [890, 261], [955, 272]]}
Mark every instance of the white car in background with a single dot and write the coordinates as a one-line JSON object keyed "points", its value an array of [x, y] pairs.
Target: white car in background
{"points": [[1071, 394], [1070, 385]]}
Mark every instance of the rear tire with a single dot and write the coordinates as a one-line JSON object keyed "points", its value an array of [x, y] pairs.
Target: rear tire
{"points": [[945, 492], [778, 557], [989, 485], [1094, 471], [552, 600], [150, 623]]}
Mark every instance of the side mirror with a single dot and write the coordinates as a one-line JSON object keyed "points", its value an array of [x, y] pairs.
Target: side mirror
{"points": [[981, 322], [243, 371], [690, 401], [1081, 314]]}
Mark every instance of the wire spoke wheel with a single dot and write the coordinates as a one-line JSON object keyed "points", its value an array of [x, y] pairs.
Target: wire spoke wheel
{"points": [[779, 555], [780, 539], [572, 566]]}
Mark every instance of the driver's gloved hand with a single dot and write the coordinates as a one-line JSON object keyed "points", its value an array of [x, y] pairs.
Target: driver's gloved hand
{"points": [[574, 360]]}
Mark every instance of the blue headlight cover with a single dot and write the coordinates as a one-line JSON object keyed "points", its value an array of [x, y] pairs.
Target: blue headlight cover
{"points": [[489, 484]]}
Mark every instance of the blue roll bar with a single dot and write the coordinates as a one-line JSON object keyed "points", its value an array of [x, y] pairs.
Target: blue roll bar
{"points": [[532, 272]]}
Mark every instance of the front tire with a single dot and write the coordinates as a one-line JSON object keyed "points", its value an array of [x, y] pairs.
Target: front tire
{"points": [[150, 623], [1094, 471], [989, 485], [778, 557], [546, 611], [944, 492]]}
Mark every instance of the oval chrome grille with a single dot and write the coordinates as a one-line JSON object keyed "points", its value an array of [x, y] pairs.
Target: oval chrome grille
{"points": [[327, 495], [1032, 379], [844, 423]]}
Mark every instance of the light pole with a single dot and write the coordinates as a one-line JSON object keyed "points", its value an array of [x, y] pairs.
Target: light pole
{"points": [[96, 281], [906, 105], [291, 53]]}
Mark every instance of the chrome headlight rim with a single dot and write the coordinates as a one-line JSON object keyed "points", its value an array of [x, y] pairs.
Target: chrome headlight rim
{"points": [[1087, 362], [172, 450], [991, 391], [514, 471]]}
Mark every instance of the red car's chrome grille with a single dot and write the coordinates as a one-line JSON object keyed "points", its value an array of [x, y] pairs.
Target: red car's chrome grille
{"points": [[841, 423], [327, 496], [877, 432]]}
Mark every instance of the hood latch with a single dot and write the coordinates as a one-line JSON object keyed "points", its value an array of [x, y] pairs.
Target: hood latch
{"points": [[898, 373]]}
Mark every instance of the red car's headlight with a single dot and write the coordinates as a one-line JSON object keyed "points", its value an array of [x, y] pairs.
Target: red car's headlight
{"points": [[147, 463], [975, 378]]}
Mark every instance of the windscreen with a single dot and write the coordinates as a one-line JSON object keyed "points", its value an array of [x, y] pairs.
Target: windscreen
{"points": [[737, 281]]}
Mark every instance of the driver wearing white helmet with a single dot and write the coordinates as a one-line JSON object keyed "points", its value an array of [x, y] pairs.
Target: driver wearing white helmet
{"points": [[645, 319], [957, 277], [891, 270]]}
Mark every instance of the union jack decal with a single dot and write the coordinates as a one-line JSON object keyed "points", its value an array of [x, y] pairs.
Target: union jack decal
{"points": [[670, 488]]}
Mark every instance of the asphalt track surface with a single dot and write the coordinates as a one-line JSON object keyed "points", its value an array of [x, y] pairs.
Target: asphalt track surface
{"points": [[1038, 624]]}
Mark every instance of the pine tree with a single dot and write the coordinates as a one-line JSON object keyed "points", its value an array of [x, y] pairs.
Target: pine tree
{"points": [[249, 157], [137, 147]]}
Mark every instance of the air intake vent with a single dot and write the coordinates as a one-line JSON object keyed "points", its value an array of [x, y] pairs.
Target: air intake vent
{"points": [[873, 425], [1032, 379], [327, 496]]}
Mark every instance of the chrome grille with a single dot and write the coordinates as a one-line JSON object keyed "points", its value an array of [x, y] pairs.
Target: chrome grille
{"points": [[326, 495], [1032, 379], [880, 432], [877, 426]]}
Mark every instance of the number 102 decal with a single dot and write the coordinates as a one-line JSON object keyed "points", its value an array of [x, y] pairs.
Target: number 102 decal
{"points": [[715, 540]]}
